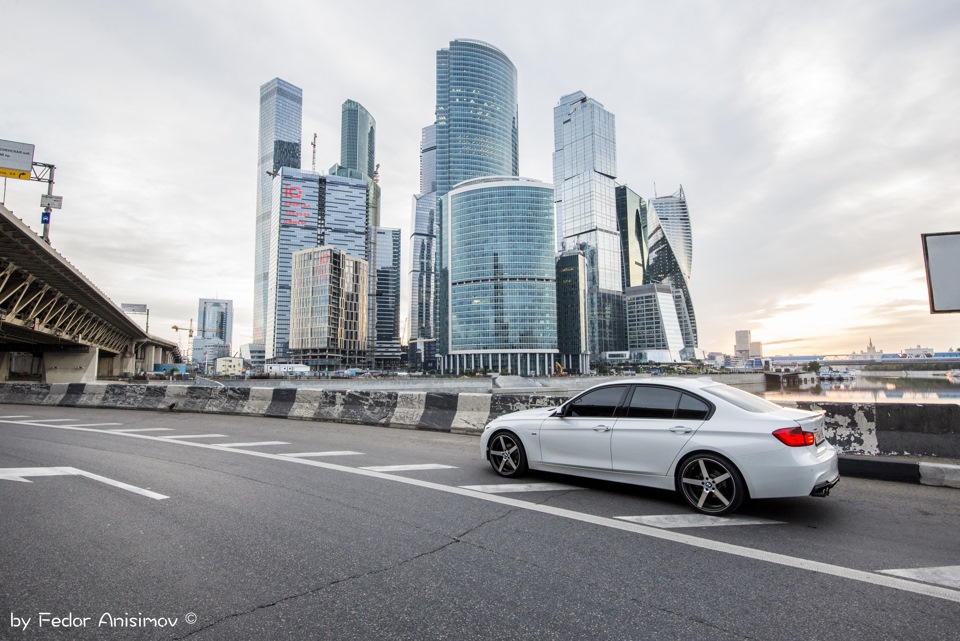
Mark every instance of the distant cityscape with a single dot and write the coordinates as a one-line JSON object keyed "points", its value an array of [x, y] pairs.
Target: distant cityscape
{"points": [[508, 274]]}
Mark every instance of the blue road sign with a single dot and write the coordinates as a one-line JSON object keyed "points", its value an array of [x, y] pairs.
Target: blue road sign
{"points": [[45, 218]]}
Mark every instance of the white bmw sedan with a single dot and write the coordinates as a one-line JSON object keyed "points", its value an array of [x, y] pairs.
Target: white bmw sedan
{"points": [[714, 444]]}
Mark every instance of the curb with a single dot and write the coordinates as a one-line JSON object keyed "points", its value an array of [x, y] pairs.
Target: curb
{"points": [[915, 472]]}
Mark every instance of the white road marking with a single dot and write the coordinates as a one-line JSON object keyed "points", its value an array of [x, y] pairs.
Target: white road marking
{"points": [[872, 578], [47, 420], [144, 429], [948, 575], [92, 425], [252, 444], [343, 453], [408, 468], [174, 437], [17, 416], [668, 521], [508, 488], [20, 474]]}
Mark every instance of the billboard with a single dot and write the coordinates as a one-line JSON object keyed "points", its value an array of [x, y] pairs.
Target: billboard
{"points": [[941, 257], [16, 160]]}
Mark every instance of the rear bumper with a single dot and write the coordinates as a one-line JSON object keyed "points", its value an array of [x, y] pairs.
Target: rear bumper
{"points": [[791, 471], [823, 489]]}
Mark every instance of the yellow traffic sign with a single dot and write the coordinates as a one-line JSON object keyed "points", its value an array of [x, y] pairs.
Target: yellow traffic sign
{"points": [[14, 173]]}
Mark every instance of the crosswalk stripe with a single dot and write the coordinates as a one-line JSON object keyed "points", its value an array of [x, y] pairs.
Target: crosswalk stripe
{"points": [[672, 521], [252, 444], [408, 468], [507, 488], [176, 436], [306, 454], [948, 575]]}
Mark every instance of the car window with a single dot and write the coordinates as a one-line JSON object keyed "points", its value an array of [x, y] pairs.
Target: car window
{"points": [[692, 409], [653, 402], [601, 403], [743, 400]]}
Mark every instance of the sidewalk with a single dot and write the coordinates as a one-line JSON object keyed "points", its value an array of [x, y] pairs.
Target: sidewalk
{"points": [[925, 470]]}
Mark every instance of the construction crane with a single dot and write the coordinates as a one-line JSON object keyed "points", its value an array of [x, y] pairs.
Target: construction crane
{"points": [[313, 163]]}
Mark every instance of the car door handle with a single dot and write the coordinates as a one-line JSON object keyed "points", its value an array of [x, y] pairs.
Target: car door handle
{"points": [[681, 430], [602, 428]]}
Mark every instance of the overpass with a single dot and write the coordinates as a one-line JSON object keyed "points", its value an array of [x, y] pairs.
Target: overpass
{"points": [[56, 325]]}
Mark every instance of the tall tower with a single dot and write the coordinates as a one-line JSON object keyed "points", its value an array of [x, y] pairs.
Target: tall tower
{"points": [[670, 259], [477, 135], [281, 115], [584, 172], [423, 242], [358, 138]]}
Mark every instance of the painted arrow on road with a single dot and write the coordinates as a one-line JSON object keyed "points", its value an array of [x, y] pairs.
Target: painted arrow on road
{"points": [[20, 473]]}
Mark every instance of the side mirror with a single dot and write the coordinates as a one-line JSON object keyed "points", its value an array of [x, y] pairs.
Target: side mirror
{"points": [[560, 411]]}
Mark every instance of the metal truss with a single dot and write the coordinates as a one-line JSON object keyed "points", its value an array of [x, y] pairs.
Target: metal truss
{"points": [[29, 303]]}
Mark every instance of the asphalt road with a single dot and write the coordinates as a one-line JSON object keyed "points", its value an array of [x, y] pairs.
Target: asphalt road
{"points": [[220, 533]]}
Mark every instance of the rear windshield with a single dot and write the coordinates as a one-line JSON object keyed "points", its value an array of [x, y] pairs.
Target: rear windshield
{"points": [[743, 400]]}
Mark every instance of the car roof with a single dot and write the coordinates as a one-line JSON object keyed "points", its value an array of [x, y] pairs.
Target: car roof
{"points": [[686, 382]]}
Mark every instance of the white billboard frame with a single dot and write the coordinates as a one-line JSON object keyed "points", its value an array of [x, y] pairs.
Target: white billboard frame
{"points": [[941, 260], [17, 156]]}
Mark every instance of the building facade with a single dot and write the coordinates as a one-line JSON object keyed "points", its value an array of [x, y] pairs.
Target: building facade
{"points": [[502, 287], [653, 328], [584, 172], [281, 116], [477, 135], [632, 221], [670, 261], [294, 223], [358, 138], [328, 319], [386, 350], [571, 311], [423, 243], [214, 334]]}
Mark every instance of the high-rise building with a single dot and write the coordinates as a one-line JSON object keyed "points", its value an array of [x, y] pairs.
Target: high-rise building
{"points": [[477, 135], [281, 114], [632, 220], [571, 311], [293, 226], [670, 243], [503, 306], [386, 347], [653, 328], [214, 334], [584, 172], [358, 138], [741, 348], [343, 215], [423, 257], [328, 311]]}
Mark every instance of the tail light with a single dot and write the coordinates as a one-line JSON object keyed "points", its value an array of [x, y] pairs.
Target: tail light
{"points": [[795, 437]]}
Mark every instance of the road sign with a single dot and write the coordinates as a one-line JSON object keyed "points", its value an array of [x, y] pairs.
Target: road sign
{"points": [[45, 218], [941, 257], [53, 202], [16, 160]]}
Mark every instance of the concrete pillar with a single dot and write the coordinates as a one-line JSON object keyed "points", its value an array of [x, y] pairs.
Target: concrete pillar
{"points": [[61, 367], [4, 366]]}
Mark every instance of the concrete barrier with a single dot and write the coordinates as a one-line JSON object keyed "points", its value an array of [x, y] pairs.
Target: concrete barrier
{"points": [[865, 429]]}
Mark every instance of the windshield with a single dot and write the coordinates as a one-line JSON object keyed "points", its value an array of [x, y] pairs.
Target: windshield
{"points": [[743, 400]]}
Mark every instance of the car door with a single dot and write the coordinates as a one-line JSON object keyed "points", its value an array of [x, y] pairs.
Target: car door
{"points": [[654, 425], [581, 436]]}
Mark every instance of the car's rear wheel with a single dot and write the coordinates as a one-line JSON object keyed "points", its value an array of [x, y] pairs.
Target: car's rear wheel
{"points": [[710, 484], [506, 455]]}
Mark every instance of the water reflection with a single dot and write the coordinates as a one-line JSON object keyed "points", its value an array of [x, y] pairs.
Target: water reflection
{"points": [[867, 388]]}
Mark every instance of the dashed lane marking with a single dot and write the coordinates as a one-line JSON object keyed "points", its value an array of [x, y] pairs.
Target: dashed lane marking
{"points": [[306, 454], [948, 575], [251, 444], [408, 468], [17, 416], [174, 437], [48, 420], [86, 425], [508, 488], [144, 429], [671, 521]]}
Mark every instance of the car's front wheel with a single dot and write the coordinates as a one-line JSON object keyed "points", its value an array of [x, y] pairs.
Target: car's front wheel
{"points": [[710, 484], [506, 455]]}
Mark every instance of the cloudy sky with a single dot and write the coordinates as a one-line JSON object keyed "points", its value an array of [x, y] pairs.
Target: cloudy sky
{"points": [[815, 140]]}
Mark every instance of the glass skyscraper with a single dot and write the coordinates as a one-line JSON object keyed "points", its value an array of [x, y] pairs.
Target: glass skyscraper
{"points": [[671, 258], [293, 226], [584, 171], [281, 114], [214, 330], [503, 306], [477, 135], [423, 258], [358, 138]]}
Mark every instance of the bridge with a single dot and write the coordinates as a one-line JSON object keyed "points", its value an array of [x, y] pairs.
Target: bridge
{"points": [[56, 326]]}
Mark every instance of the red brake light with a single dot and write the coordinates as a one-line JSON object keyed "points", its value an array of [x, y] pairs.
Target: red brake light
{"points": [[795, 437]]}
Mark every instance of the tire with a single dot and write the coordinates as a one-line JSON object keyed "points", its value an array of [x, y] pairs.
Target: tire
{"points": [[710, 484], [506, 455]]}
